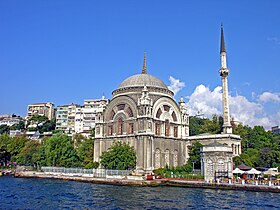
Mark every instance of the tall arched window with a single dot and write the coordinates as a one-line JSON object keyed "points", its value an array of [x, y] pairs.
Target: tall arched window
{"points": [[175, 158], [157, 129], [166, 157], [130, 128], [120, 126], [110, 130], [167, 127], [221, 165], [112, 115], [157, 158], [210, 168], [175, 131]]}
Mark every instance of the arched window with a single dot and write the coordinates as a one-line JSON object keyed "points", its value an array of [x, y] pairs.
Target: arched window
{"points": [[120, 126], [159, 112], [130, 128], [167, 127], [174, 117], [157, 129], [221, 165], [166, 108], [175, 131], [129, 112], [110, 130], [175, 158], [112, 115], [157, 158], [166, 157], [121, 107], [210, 168]]}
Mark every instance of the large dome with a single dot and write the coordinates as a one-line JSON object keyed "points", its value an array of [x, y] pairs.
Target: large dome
{"points": [[141, 80]]}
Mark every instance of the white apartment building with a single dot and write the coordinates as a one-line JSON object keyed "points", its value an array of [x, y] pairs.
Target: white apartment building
{"points": [[75, 118], [62, 118], [91, 107], [9, 120], [42, 109]]}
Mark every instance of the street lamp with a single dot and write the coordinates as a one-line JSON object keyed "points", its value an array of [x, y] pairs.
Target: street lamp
{"points": [[193, 166]]}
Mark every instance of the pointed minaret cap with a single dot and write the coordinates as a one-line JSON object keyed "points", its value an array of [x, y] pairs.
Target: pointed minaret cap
{"points": [[144, 69], [223, 46]]}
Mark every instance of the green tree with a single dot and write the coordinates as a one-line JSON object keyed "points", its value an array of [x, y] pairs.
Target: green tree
{"points": [[47, 126], [195, 125], [29, 153], [260, 148], [202, 125], [194, 155], [213, 126], [15, 147], [19, 126], [269, 157], [59, 151], [119, 156], [4, 129], [37, 120], [5, 156], [85, 151]]}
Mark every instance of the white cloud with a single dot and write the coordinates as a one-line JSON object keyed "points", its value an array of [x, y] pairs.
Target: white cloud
{"points": [[175, 85], [204, 101], [207, 102], [270, 97]]}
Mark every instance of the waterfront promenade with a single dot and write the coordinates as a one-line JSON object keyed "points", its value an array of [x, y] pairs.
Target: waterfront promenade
{"points": [[141, 182]]}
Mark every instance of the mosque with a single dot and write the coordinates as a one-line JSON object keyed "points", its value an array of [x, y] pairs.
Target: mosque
{"points": [[144, 113]]}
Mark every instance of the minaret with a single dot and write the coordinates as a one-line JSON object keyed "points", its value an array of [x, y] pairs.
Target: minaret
{"points": [[144, 69], [224, 71]]}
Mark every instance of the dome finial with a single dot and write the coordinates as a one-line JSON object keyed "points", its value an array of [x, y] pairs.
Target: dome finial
{"points": [[144, 69]]}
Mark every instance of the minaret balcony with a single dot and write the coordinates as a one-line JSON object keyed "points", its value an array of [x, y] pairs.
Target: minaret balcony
{"points": [[224, 72]]}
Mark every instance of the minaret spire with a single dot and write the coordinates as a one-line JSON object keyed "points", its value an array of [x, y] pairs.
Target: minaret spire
{"points": [[144, 69], [224, 71], [223, 46]]}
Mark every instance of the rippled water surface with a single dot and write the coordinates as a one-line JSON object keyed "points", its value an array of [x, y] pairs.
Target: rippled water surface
{"points": [[20, 193]]}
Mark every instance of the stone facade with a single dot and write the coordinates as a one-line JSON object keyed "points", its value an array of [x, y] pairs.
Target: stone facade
{"points": [[144, 114], [216, 160]]}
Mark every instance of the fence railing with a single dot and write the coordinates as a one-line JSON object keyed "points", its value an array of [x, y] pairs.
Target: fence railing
{"points": [[90, 172]]}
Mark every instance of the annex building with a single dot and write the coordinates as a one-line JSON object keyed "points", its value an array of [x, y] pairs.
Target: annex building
{"points": [[144, 113]]}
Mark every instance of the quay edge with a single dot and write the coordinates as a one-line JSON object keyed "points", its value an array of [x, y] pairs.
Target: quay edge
{"points": [[153, 183]]}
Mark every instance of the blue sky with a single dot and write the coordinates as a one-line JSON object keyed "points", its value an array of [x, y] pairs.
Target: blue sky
{"points": [[68, 51]]}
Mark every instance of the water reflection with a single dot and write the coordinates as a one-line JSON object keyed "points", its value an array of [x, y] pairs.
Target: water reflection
{"points": [[58, 194]]}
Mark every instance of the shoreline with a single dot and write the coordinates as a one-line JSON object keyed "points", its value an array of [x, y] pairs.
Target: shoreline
{"points": [[150, 183]]}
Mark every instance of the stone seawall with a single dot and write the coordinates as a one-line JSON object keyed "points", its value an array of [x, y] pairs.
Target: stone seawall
{"points": [[124, 181]]}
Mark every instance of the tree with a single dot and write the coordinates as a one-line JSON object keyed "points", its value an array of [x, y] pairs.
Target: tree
{"points": [[38, 121], [213, 126], [19, 126], [48, 126], [85, 151], [59, 151], [194, 154], [119, 156], [5, 156], [260, 148], [29, 153], [15, 147], [195, 125], [4, 129], [199, 125]]}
